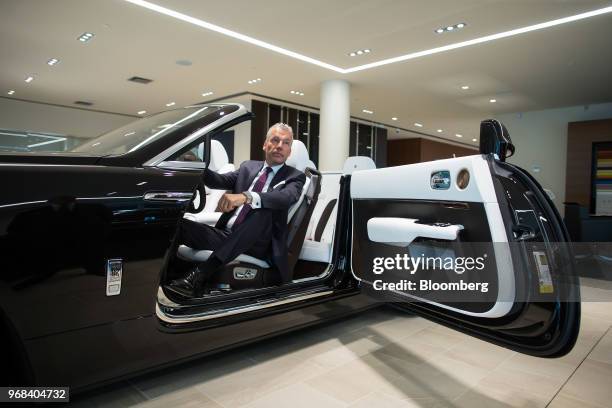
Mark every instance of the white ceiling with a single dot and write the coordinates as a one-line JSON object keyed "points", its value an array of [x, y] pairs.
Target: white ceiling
{"points": [[565, 65]]}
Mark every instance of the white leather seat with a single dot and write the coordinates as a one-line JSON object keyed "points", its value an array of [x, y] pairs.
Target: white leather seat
{"points": [[356, 163], [318, 246], [219, 162], [298, 159]]}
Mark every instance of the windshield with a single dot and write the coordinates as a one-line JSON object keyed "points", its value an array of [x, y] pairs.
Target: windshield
{"points": [[143, 131]]}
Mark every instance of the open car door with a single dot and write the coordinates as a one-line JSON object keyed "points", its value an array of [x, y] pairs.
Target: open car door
{"points": [[471, 242]]}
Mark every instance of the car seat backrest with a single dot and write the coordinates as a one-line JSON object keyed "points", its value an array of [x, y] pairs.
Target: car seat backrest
{"points": [[324, 215], [300, 213], [219, 162], [298, 159], [355, 163], [218, 156]]}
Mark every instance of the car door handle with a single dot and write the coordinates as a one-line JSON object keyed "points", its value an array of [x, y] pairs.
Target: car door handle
{"points": [[174, 196], [523, 232], [402, 231]]}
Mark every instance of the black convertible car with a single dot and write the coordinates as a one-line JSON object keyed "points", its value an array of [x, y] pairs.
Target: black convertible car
{"points": [[87, 245]]}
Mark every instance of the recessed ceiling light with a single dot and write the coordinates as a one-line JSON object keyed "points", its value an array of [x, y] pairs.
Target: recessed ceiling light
{"points": [[29, 79], [369, 112], [85, 37], [254, 81], [458, 135], [418, 124], [299, 93], [465, 87], [474, 140], [521, 30], [171, 104], [11, 92], [492, 100], [207, 93], [142, 112], [394, 118], [53, 61], [439, 130], [450, 28], [359, 52]]}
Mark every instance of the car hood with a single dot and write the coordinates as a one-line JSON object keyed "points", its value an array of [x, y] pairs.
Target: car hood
{"points": [[48, 158]]}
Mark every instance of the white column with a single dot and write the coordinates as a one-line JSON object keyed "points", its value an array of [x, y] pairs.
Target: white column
{"points": [[334, 124]]}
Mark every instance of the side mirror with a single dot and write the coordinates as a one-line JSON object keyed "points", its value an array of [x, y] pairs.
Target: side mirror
{"points": [[495, 139]]}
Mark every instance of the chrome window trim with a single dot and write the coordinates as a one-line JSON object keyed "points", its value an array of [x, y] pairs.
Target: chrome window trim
{"points": [[155, 161], [181, 165], [174, 196]]}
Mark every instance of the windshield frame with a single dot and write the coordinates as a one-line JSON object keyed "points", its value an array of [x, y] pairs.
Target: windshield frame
{"points": [[140, 127]]}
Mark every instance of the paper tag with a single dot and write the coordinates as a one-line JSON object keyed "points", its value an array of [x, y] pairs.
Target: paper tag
{"points": [[114, 271], [546, 285]]}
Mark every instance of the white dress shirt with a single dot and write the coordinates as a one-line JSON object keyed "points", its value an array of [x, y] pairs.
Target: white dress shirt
{"points": [[256, 202]]}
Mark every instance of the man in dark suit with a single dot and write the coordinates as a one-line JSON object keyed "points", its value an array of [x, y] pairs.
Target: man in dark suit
{"points": [[254, 219]]}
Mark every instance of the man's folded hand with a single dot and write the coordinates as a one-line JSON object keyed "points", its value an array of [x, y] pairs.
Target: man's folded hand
{"points": [[229, 201]]}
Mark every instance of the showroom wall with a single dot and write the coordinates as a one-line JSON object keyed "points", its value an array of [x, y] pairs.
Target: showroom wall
{"points": [[540, 138], [40, 117]]}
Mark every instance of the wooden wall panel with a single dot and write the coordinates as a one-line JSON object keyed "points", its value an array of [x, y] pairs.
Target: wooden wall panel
{"points": [[259, 127], [432, 150], [408, 151], [580, 139], [381, 147], [403, 151]]}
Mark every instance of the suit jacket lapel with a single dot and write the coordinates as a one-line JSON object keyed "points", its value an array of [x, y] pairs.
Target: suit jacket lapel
{"points": [[251, 174], [278, 177]]}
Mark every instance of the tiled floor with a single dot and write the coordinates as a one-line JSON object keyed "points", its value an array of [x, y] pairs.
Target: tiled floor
{"points": [[384, 358]]}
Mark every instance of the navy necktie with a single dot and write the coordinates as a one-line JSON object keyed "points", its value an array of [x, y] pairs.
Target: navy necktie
{"points": [[257, 188]]}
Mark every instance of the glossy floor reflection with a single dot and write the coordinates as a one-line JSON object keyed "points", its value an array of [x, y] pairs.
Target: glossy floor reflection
{"points": [[383, 358]]}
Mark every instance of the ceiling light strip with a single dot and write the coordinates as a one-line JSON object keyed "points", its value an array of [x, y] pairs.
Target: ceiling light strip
{"points": [[271, 47], [481, 40], [233, 34]]}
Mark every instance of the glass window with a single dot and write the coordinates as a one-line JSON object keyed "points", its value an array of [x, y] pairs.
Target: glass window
{"points": [[143, 131], [193, 153]]}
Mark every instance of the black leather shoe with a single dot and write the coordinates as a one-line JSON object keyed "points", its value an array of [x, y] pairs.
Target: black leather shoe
{"points": [[191, 285]]}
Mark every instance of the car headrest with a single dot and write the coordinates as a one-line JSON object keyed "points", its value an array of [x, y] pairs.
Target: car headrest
{"points": [[299, 156], [218, 156], [355, 163], [311, 165]]}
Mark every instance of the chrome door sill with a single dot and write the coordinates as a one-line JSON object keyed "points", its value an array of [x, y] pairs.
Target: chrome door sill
{"points": [[167, 311]]}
